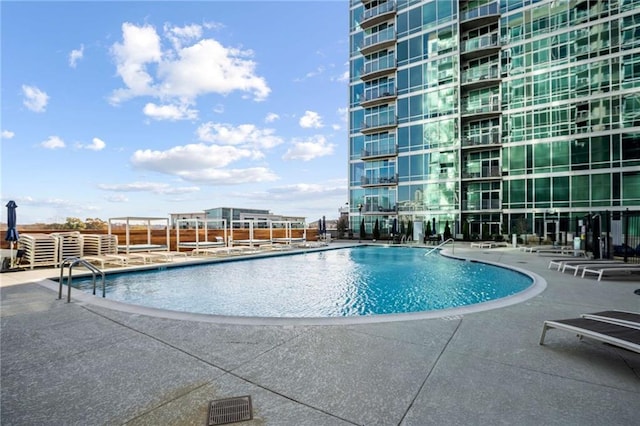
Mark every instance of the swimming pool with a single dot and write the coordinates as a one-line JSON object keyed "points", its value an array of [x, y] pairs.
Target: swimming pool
{"points": [[356, 281]]}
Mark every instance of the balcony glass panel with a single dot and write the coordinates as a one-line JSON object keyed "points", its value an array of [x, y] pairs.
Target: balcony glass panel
{"points": [[484, 10], [379, 10], [378, 64], [380, 91], [483, 42], [379, 37]]}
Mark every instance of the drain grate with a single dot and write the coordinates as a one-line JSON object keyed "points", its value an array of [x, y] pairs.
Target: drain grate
{"points": [[230, 410]]}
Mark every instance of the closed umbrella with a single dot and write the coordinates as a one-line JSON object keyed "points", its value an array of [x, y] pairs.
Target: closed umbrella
{"points": [[12, 232], [324, 225]]}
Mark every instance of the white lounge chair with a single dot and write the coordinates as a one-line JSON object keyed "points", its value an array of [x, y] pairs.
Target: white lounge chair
{"points": [[604, 331], [576, 267]]}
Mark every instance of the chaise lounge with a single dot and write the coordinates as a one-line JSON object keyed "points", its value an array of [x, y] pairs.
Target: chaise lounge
{"points": [[617, 328]]}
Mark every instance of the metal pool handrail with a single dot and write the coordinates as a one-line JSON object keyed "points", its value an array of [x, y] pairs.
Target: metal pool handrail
{"points": [[450, 240], [72, 261]]}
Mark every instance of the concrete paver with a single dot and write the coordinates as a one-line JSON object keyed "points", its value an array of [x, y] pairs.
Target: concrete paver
{"points": [[83, 363]]}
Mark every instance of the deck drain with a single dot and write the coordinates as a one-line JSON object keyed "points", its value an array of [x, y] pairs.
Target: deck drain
{"points": [[230, 410]]}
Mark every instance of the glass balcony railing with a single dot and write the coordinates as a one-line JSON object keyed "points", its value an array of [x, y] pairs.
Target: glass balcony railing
{"points": [[388, 34], [382, 120], [490, 137], [480, 73], [380, 150], [381, 9], [375, 179], [383, 63], [483, 42], [479, 12], [484, 172], [379, 91], [480, 108]]}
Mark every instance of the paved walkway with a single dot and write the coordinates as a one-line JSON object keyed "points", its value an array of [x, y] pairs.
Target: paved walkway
{"points": [[85, 364]]}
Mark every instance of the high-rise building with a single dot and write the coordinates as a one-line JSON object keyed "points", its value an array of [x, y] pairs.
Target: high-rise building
{"points": [[498, 117]]}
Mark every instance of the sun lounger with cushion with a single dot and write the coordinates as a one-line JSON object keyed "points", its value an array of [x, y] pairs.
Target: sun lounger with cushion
{"points": [[607, 332]]}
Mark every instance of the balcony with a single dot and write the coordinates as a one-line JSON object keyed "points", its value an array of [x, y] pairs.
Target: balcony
{"points": [[480, 46], [378, 124], [478, 77], [367, 182], [480, 16], [492, 137], [376, 15], [383, 94], [378, 41], [378, 67], [373, 152], [481, 109], [483, 173]]}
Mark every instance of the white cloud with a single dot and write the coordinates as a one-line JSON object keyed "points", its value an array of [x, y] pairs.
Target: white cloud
{"points": [[62, 206], [170, 112], [230, 176], [153, 187], [95, 145], [271, 117], [182, 71], [7, 134], [202, 163], [179, 35], [301, 191], [75, 56], [245, 135], [316, 147], [179, 159], [117, 198], [140, 46], [53, 142], [34, 99], [310, 119]]}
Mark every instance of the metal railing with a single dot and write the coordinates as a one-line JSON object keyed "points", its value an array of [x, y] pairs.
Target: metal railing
{"points": [[450, 240], [72, 261]]}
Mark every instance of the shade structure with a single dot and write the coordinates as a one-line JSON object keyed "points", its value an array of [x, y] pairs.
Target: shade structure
{"points": [[12, 232]]}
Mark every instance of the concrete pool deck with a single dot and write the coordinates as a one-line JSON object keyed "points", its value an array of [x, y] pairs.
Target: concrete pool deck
{"points": [[82, 363]]}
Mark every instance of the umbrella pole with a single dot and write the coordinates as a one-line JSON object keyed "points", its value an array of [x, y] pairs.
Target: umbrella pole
{"points": [[11, 265]]}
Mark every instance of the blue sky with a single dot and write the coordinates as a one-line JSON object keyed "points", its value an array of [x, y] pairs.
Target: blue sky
{"points": [[147, 108]]}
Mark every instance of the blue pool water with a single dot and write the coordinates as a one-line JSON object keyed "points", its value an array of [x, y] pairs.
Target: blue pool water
{"points": [[356, 281]]}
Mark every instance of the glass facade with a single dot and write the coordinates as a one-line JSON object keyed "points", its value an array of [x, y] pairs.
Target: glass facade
{"points": [[485, 114]]}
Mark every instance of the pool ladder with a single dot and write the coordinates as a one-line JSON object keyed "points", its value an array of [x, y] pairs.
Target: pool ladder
{"points": [[450, 240], [72, 261]]}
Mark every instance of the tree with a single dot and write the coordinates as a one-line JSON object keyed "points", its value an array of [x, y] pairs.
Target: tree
{"points": [[447, 231], [74, 223], [376, 230], [342, 224], [95, 223]]}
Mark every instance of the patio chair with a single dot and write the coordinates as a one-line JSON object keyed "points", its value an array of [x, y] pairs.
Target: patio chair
{"points": [[600, 327]]}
